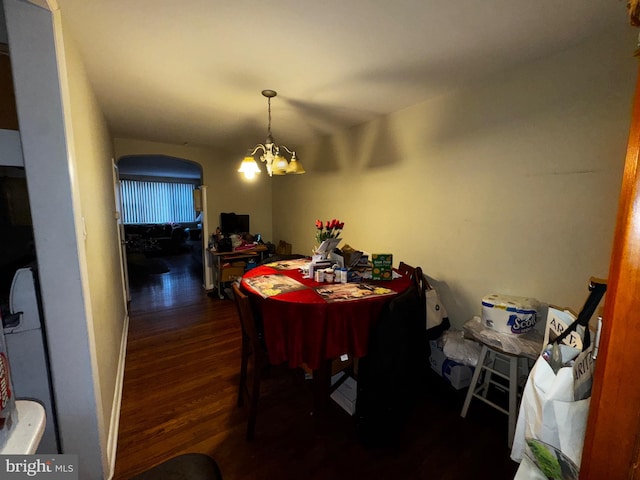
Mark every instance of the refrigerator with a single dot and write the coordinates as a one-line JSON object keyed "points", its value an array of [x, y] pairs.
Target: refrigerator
{"points": [[25, 339]]}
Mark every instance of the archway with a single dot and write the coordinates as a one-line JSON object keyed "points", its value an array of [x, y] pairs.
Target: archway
{"points": [[160, 198]]}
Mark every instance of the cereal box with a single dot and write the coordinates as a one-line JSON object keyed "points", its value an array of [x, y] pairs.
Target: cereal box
{"points": [[381, 266]]}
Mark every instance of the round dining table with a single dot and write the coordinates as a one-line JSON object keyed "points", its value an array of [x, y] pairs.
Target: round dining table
{"points": [[308, 322], [311, 323]]}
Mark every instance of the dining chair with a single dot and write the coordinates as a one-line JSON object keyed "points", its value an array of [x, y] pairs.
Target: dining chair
{"points": [[390, 375], [418, 277], [405, 269], [420, 281], [253, 349]]}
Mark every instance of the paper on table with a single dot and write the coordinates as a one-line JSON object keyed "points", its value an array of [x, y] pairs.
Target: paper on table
{"points": [[271, 285], [340, 292]]}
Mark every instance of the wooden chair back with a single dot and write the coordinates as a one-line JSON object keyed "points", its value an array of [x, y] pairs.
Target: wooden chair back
{"points": [[419, 278], [254, 352], [247, 319], [405, 269]]}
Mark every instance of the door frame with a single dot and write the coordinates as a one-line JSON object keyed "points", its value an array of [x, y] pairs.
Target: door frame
{"points": [[612, 439], [122, 239], [207, 269]]}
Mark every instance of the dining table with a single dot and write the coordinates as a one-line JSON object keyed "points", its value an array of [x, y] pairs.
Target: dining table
{"points": [[305, 322]]}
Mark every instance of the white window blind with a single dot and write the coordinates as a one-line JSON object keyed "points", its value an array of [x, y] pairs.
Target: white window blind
{"points": [[157, 202]]}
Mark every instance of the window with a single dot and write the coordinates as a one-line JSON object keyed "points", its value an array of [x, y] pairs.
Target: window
{"points": [[157, 202]]}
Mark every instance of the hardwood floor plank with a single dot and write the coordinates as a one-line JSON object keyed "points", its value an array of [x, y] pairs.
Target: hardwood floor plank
{"points": [[179, 396]]}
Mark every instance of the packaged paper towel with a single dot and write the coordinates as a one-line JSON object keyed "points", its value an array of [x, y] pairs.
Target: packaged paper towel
{"points": [[509, 314]]}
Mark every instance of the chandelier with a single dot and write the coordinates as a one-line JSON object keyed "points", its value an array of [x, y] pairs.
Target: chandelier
{"points": [[272, 155]]}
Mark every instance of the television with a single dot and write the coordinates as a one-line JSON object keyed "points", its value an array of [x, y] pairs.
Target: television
{"points": [[234, 223]]}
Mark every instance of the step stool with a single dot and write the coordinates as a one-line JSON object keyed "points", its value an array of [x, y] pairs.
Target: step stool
{"points": [[487, 362]]}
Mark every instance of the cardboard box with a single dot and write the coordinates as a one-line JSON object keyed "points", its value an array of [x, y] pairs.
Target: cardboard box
{"points": [[455, 373], [381, 266], [229, 274]]}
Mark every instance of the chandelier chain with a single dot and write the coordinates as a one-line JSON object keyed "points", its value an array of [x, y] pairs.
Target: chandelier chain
{"points": [[269, 124]]}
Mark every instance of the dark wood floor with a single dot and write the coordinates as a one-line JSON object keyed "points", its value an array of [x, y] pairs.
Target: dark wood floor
{"points": [[180, 396]]}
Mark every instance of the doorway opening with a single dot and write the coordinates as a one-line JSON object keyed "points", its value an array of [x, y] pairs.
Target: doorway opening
{"points": [[162, 216]]}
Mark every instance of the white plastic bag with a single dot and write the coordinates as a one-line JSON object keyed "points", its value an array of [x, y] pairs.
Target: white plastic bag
{"points": [[460, 349], [550, 418]]}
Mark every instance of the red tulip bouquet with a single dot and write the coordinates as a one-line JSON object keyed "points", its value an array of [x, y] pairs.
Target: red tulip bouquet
{"points": [[330, 229]]}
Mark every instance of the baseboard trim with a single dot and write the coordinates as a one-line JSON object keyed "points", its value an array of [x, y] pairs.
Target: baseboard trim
{"points": [[112, 441]]}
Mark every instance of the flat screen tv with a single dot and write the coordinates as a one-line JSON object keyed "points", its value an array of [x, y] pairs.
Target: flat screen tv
{"points": [[234, 223]]}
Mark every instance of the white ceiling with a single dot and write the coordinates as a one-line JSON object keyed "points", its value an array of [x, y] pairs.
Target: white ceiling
{"points": [[192, 71]]}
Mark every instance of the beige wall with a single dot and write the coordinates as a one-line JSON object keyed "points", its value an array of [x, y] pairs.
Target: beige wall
{"points": [[509, 185], [67, 163], [226, 192], [92, 154]]}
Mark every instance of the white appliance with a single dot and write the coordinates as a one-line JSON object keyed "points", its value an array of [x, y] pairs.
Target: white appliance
{"points": [[27, 350]]}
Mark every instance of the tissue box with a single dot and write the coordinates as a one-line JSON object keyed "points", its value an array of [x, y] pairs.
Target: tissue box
{"points": [[381, 266], [509, 314]]}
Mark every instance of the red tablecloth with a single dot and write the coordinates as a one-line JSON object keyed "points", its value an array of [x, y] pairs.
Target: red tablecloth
{"points": [[302, 327]]}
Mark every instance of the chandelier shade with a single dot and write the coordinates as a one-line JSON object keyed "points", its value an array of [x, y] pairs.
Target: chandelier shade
{"points": [[272, 154], [295, 166], [249, 168]]}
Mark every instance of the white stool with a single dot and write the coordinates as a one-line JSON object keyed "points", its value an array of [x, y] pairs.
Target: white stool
{"points": [[487, 363]]}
